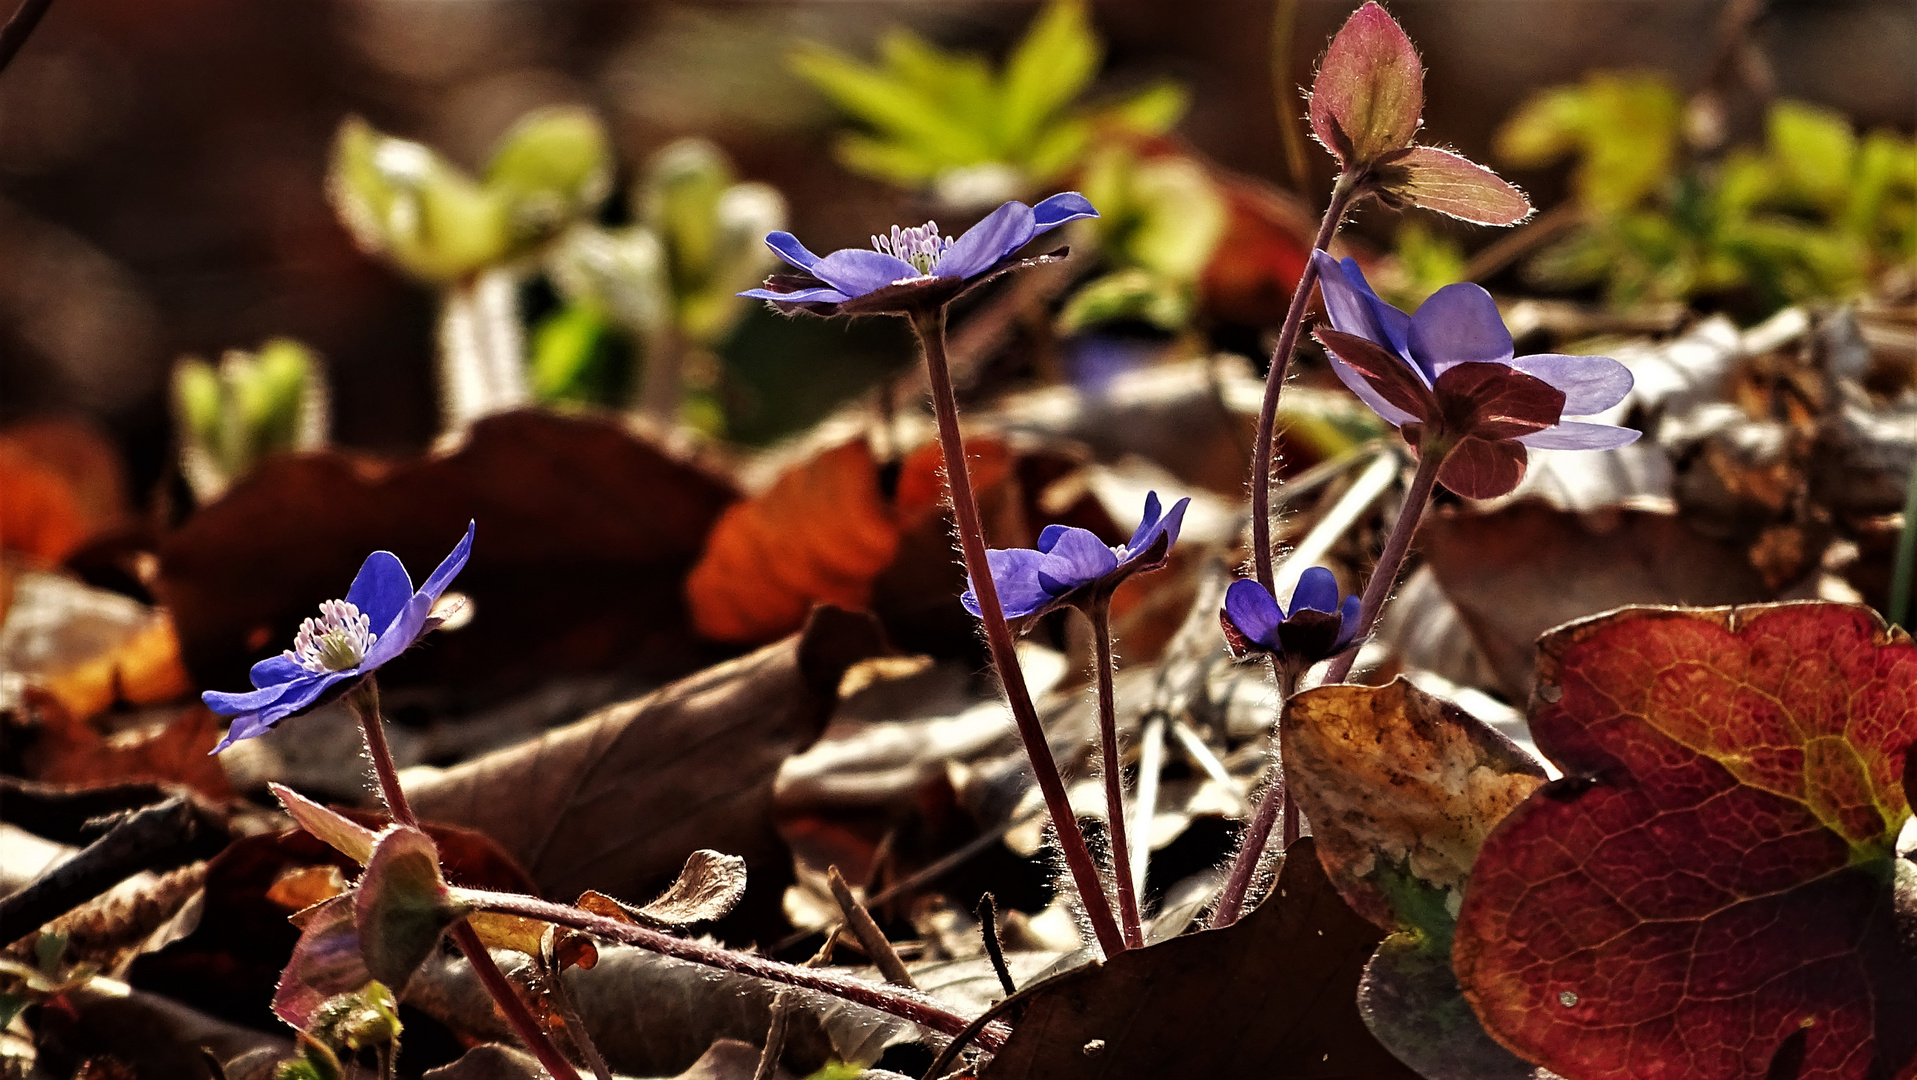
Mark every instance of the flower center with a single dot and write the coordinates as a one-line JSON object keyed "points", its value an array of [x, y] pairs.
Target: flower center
{"points": [[921, 247], [337, 640]]}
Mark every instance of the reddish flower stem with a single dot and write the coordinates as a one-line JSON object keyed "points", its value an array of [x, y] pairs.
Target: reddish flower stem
{"points": [[1100, 612], [897, 1001], [364, 700], [1391, 560], [1275, 798], [1349, 185], [930, 326]]}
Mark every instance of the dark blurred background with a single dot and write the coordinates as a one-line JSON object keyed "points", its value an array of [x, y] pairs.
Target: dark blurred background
{"points": [[162, 162]]}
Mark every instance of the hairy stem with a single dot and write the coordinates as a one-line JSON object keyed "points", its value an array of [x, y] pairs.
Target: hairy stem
{"points": [[1275, 798], [930, 326], [1100, 612], [1261, 450], [364, 700], [1391, 560], [897, 1001]]}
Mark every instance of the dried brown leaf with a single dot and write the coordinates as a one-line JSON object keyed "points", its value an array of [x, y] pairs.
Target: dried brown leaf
{"points": [[616, 800]]}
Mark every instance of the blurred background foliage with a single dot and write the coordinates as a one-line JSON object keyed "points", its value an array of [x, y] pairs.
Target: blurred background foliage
{"points": [[188, 176]]}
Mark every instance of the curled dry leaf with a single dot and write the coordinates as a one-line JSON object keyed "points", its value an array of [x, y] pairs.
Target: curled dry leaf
{"points": [[1401, 789], [586, 531], [615, 801], [1714, 881], [708, 888], [1519, 571], [1272, 995]]}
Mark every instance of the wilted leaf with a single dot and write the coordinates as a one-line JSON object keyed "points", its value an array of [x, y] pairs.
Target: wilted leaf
{"points": [[1401, 789], [819, 535], [616, 800], [1451, 184], [1272, 995], [585, 532], [89, 648], [1521, 570], [1716, 872], [153, 1037], [1369, 93], [709, 886], [175, 750], [326, 961]]}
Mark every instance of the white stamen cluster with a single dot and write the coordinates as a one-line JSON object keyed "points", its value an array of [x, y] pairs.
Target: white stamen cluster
{"points": [[921, 247], [338, 640]]}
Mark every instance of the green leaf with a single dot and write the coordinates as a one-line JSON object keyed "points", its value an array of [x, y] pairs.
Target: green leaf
{"points": [[1052, 65], [559, 156], [402, 905], [401, 200], [563, 348], [1154, 110], [1128, 294], [1814, 150], [1625, 128], [200, 404], [890, 105]]}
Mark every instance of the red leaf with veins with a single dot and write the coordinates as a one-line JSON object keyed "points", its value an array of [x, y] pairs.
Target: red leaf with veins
{"points": [[1715, 874], [1480, 469]]}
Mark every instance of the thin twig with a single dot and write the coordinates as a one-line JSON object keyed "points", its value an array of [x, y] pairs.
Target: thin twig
{"points": [[987, 912], [162, 836], [866, 930], [775, 1031], [920, 1009]]}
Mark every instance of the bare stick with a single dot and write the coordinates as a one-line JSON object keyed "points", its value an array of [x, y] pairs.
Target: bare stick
{"points": [[864, 928], [987, 912]]}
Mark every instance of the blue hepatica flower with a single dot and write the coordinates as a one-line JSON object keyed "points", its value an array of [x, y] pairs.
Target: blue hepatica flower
{"points": [[379, 619], [1072, 564], [913, 269], [1316, 628], [1447, 372]]}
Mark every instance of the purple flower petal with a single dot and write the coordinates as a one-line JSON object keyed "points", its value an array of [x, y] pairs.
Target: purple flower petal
{"points": [[1574, 435], [380, 590], [1317, 589], [1358, 385], [1169, 525], [1003, 231], [1076, 557], [1459, 324], [1253, 611], [1059, 209], [1142, 535], [1355, 309], [233, 704], [405, 629], [298, 695], [856, 271], [1348, 621], [1591, 384], [786, 246], [799, 296], [1015, 573], [275, 670]]}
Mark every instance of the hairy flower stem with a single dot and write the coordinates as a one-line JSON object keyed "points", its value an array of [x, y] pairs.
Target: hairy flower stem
{"points": [[364, 701], [1100, 612], [1275, 798], [897, 1001], [1342, 195], [1391, 560], [930, 326]]}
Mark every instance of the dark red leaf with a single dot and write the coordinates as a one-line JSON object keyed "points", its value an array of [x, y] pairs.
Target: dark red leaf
{"points": [[1716, 872], [1496, 401], [1387, 373], [1477, 469]]}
